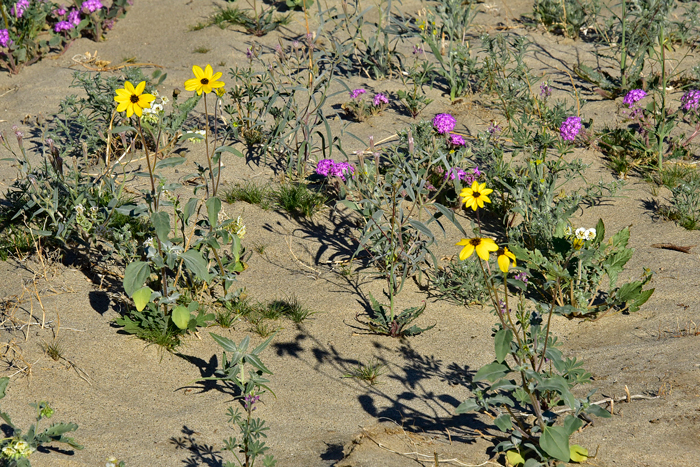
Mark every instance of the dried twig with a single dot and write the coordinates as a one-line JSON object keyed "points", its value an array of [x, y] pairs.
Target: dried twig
{"points": [[671, 246]]}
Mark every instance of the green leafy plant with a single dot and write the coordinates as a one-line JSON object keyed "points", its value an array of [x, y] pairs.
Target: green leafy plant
{"points": [[568, 17], [369, 372], [257, 22], [34, 29], [298, 199], [16, 450], [251, 385]]}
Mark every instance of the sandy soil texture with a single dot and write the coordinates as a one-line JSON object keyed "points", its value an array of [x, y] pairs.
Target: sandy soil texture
{"points": [[143, 406]]}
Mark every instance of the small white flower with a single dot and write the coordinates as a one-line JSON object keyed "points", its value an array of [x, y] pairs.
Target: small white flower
{"points": [[200, 132], [157, 108], [94, 209], [568, 231], [148, 243], [155, 93], [580, 233], [79, 209], [164, 100], [8, 451], [589, 234]]}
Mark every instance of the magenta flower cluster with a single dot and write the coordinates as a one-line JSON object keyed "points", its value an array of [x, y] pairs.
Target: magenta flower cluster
{"points": [[468, 178], [456, 140], [545, 90], [331, 168], [444, 123], [691, 100], [20, 6], [634, 96], [355, 93], [380, 99], [5, 38], [570, 128], [72, 21], [92, 5]]}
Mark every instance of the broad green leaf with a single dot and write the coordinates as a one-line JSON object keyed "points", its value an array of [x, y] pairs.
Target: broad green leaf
{"points": [[195, 262], [181, 316], [4, 381], [492, 372], [598, 411], [233, 151], [226, 343], [502, 342], [577, 453], [141, 297], [571, 424], [641, 300], [555, 442], [189, 209], [161, 222], [469, 405], [169, 162], [213, 208], [135, 275], [558, 383], [122, 129], [504, 423], [514, 458]]}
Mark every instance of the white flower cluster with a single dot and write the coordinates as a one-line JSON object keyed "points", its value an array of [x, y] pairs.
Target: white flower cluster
{"points": [[581, 233], [113, 462], [18, 450], [236, 227], [153, 114]]}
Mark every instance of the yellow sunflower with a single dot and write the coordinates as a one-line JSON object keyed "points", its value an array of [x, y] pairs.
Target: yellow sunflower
{"points": [[476, 196], [132, 99], [204, 80], [483, 247], [505, 257]]}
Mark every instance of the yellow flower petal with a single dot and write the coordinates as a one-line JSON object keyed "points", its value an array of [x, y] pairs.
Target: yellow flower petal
{"points": [[505, 258], [208, 72], [129, 87], [123, 93], [216, 76], [485, 246], [191, 84], [140, 87], [198, 73], [122, 106], [466, 252], [129, 110]]}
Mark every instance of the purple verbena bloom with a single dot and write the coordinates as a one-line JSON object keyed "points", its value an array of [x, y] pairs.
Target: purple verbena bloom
{"points": [[74, 17], [250, 400], [455, 172], [477, 172], [521, 276], [355, 93], [691, 100], [20, 6], [545, 90], [570, 128], [92, 5], [60, 11], [380, 99], [4, 38], [417, 50], [444, 123], [63, 26], [634, 96], [493, 128], [324, 166], [456, 140], [341, 169]]}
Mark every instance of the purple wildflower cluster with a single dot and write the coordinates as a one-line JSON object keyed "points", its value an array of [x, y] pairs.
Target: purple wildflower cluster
{"points": [[331, 168], [90, 6], [5, 38], [380, 100], [456, 140], [521, 276], [634, 96], [249, 401], [691, 100], [69, 23], [355, 93], [462, 175], [418, 50], [19, 8], [545, 90], [444, 123], [570, 128]]}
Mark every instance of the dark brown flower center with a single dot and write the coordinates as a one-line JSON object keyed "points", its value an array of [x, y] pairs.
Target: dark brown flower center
{"points": [[204, 81], [475, 242], [134, 99], [476, 194]]}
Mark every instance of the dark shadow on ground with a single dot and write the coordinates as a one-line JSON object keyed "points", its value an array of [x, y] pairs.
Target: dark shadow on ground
{"points": [[199, 454]]}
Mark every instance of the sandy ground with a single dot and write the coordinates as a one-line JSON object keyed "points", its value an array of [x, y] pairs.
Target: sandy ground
{"points": [[143, 407]]}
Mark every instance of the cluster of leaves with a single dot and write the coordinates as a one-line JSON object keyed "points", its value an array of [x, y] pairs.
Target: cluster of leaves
{"points": [[15, 450], [34, 30]]}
